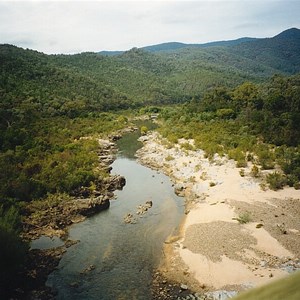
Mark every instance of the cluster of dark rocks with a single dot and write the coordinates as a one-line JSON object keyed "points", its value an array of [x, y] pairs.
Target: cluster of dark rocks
{"points": [[164, 289], [141, 210]]}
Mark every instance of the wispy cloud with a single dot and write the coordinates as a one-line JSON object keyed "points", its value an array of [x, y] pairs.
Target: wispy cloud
{"points": [[75, 26]]}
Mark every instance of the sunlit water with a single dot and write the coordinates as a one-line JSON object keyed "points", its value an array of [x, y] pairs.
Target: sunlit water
{"points": [[114, 260]]}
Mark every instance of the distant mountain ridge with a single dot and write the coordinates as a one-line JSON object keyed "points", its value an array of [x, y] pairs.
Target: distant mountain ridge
{"points": [[292, 33], [170, 46]]}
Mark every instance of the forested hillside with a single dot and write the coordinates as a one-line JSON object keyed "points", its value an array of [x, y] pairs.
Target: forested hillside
{"points": [[92, 82]]}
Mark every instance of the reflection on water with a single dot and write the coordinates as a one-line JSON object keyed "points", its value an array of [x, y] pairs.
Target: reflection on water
{"points": [[129, 144], [115, 260]]}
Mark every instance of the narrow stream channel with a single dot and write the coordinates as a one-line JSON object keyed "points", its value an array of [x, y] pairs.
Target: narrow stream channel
{"points": [[114, 260]]}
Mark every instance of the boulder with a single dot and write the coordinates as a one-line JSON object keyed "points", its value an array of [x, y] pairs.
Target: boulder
{"points": [[148, 204], [115, 182], [129, 219], [179, 189], [142, 209], [184, 287], [89, 207]]}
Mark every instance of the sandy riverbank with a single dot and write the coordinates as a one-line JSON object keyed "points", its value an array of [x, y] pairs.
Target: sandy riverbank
{"points": [[214, 250]]}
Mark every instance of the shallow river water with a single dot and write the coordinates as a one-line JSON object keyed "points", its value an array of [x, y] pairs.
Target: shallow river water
{"points": [[114, 260]]}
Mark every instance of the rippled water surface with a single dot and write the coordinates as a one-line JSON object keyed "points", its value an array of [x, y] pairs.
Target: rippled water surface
{"points": [[114, 260]]}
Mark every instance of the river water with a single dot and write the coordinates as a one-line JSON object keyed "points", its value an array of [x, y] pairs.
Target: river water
{"points": [[114, 260]]}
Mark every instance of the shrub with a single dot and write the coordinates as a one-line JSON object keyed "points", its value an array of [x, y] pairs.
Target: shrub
{"points": [[266, 158], [276, 181], [244, 218], [169, 158], [172, 138], [225, 113], [236, 154], [12, 249], [254, 171], [239, 156], [144, 130], [241, 164], [242, 172], [297, 185], [187, 146], [291, 180]]}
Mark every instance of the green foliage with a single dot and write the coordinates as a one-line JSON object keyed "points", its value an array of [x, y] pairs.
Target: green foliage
{"points": [[187, 146], [254, 171], [144, 130], [225, 113], [244, 218], [12, 249], [169, 158], [276, 180], [238, 156], [265, 157], [77, 85]]}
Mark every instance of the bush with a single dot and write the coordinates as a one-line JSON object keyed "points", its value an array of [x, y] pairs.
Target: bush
{"points": [[12, 249], [169, 158], [225, 113], [144, 130], [266, 158], [276, 181], [172, 138], [244, 218], [241, 164], [254, 171], [297, 185], [187, 146]]}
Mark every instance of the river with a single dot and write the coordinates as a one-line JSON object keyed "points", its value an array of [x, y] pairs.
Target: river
{"points": [[114, 260]]}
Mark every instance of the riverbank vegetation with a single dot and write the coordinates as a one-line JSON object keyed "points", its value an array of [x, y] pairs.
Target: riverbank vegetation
{"points": [[43, 153], [43, 157], [250, 123]]}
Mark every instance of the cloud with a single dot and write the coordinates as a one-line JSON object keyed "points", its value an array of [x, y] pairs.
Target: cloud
{"points": [[76, 26]]}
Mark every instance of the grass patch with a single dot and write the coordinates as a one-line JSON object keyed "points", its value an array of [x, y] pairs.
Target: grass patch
{"points": [[187, 146], [243, 218], [169, 158]]}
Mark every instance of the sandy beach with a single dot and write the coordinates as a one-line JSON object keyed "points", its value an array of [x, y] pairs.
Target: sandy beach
{"points": [[235, 235]]}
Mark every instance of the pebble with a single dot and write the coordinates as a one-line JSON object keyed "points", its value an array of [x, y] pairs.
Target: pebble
{"points": [[184, 287]]}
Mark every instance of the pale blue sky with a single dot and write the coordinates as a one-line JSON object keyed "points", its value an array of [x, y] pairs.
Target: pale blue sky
{"points": [[77, 26]]}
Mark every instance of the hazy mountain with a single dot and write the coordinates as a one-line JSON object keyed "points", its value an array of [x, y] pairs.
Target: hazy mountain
{"points": [[171, 46]]}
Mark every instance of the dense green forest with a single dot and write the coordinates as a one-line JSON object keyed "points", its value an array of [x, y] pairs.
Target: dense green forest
{"points": [[225, 96]]}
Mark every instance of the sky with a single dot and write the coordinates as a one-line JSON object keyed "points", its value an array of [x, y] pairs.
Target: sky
{"points": [[55, 27]]}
